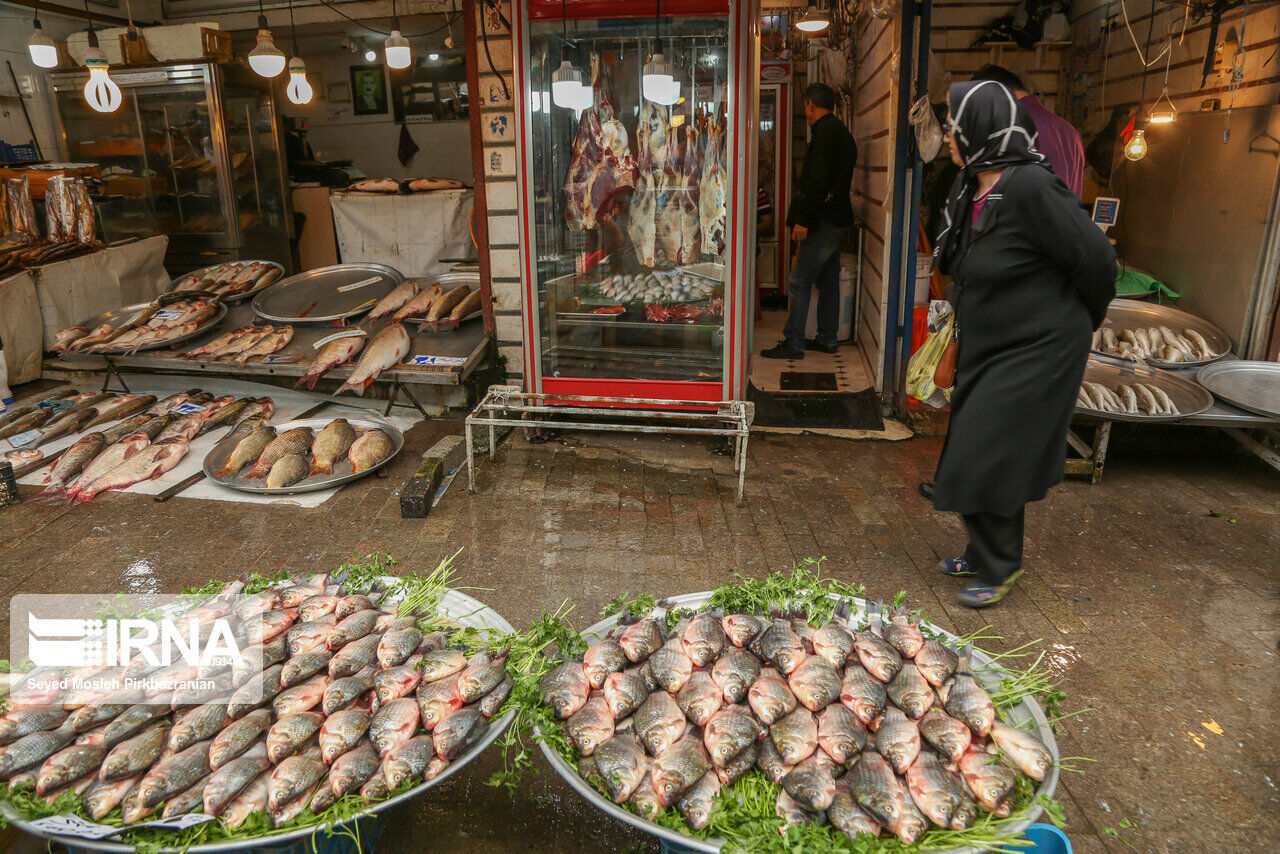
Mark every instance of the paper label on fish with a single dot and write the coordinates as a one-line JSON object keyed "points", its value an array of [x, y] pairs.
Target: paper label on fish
{"points": [[178, 822], [360, 284], [169, 313], [73, 825], [439, 361], [19, 439], [187, 408], [349, 333]]}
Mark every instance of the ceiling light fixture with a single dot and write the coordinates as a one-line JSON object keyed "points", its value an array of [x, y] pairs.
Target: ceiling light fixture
{"points": [[370, 54], [265, 59], [813, 21], [101, 92], [299, 90], [43, 49], [397, 46], [567, 89]]}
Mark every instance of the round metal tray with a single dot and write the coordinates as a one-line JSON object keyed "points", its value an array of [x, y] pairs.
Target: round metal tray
{"points": [[231, 299], [314, 296], [986, 672], [1254, 386], [1134, 314], [122, 315], [459, 607], [217, 458], [1190, 397]]}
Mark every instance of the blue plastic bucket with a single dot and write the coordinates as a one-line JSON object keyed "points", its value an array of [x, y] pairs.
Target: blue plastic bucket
{"points": [[1047, 839]]}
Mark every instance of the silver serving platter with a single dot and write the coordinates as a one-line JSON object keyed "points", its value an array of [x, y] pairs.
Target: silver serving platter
{"points": [[1190, 397], [1254, 386], [217, 458], [1134, 314], [231, 299], [314, 296], [985, 670], [459, 607], [122, 315]]}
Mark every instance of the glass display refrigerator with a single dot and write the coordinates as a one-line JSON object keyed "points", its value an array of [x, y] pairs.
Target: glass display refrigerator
{"points": [[193, 152], [636, 141], [773, 173]]}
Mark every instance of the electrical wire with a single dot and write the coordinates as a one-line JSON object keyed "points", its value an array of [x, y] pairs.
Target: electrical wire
{"points": [[1142, 58], [449, 19]]}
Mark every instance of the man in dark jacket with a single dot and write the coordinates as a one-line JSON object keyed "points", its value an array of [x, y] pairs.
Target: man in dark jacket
{"points": [[819, 216]]}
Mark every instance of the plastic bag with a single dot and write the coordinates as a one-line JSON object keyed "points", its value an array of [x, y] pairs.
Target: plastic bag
{"points": [[86, 223], [920, 369], [60, 215], [928, 131], [22, 214]]}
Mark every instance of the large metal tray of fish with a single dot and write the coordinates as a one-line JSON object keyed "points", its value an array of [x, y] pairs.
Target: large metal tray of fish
{"points": [[263, 280], [1254, 386], [1188, 398], [121, 315], [342, 473], [458, 608], [1129, 315], [985, 669], [327, 294]]}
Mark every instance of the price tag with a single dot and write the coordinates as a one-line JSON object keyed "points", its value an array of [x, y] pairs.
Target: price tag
{"points": [[73, 825], [366, 304], [188, 408], [354, 332], [178, 822], [19, 439], [280, 359], [439, 361], [55, 404], [168, 313], [360, 284]]}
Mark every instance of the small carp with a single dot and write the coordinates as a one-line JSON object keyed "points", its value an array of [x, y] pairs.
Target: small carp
{"points": [[876, 789], [1026, 751], [621, 764], [881, 660], [769, 696], [695, 803], [331, 355], [349, 605], [910, 691], [794, 813], [291, 779], [730, 731], [565, 689], [812, 782], [601, 659], [248, 450], [225, 783], [741, 629], [290, 733], [32, 749], [258, 690], [490, 703], [437, 700], [396, 647], [303, 666], [902, 634], [966, 701], [135, 755], [833, 643], [252, 799], [287, 471], [387, 348], [936, 791], [659, 722], [130, 721], [898, 740], [201, 723], [679, 767], [700, 698], [331, 445], [314, 607], [269, 625], [394, 724], [704, 640], [734, 673], [795, 735], [641, 639], [310, 636], [738, 765], [302, 697], [238, 736], [846, 816], [911, 823], [671, 665], [295, 441], [341, 732], [353, 769], [174, 775], [186, 801], [352, 628], [370, 450], [947, 735], [769, 761], [20, 722], [343, 692], [408, 762], [625, 691], [101, 798], [398, 681], [815, 683], [481, 677], [780, 646], [459, 731], [840, 734], [863, 695], [68, 765]]}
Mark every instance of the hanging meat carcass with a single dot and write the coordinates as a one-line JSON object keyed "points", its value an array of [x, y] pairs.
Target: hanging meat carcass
{"points": [[678, 232], [601, 164], [712, 208], [651, 153]]}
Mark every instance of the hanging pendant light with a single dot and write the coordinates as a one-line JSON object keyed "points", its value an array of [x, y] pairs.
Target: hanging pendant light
{"points": [[396, 46], [567, 89], [299, 90], [657, 81], [1136, 147], [43, 49], [265, 59], [101, 92], [813, 21]]}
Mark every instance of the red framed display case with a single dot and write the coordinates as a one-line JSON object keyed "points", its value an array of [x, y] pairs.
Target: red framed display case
{"points": [[637, 204]]}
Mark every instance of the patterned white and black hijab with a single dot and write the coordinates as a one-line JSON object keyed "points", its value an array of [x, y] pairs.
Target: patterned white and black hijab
{"points": [[991, 131]]}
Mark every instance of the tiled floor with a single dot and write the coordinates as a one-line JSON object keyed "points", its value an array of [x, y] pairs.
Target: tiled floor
{"points": [[847, 363]]}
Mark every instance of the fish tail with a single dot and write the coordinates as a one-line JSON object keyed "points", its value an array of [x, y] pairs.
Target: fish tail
{"points": [[309, 379], [365, 386], [320, 469]]}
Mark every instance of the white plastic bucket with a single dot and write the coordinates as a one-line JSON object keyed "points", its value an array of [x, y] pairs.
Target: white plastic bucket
{"points": [[847, 284]]}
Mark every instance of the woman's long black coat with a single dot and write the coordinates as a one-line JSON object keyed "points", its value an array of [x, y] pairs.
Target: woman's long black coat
{"points": [[1033, 281]]}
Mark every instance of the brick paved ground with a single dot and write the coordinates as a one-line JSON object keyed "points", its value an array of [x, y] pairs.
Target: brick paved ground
{"points": [[1158, 615]]}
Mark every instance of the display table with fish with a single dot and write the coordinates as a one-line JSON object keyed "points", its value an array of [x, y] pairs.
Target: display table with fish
{"points": [[796, 703]]}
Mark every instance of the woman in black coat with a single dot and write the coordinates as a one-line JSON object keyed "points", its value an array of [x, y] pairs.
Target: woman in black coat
{"points": [[1033, 276]]}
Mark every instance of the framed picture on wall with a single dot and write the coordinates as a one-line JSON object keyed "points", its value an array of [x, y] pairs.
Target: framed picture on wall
{"points": [[338, 93], [368, 90]]}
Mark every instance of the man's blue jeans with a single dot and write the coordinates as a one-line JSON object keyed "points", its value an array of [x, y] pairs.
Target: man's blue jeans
{"points": [[817, 263]]}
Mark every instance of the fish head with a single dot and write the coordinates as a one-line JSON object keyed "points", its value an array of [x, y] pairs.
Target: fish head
{"points": [[667, 785]]}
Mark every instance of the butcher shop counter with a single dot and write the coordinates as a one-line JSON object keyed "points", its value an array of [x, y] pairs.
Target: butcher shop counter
{"points": [[436, 359]]}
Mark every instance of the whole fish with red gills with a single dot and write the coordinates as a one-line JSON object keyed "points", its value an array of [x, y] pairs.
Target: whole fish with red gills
{"points": [[387, 348]]}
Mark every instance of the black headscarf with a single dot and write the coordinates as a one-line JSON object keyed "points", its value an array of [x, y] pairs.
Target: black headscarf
{"points": [[991, 131]]}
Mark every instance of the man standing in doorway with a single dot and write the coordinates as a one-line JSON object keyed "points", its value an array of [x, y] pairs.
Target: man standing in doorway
{"points": [[819, 216], [1056, 139]]}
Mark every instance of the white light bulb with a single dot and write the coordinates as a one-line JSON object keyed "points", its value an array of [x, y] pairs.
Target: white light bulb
{"points": [[565, 83], [43, 50], [370, 55], [1136, 147], [299, 90], [266, 59], [584, 98], [397, 49], [101, 92], [670, 96], [432, 57], [656, 82]]}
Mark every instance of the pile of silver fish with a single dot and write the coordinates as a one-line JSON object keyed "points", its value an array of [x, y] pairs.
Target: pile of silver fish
{"points": [[285, 458], [241, 345], [1133, 398], [350, 699], [870, 730], [657, 286], [146, 328], [1153, 342], [148, 437], [233, 277]]}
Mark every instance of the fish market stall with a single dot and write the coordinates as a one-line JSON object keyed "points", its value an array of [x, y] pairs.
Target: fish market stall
{"points": [[420, 234], [283, 747]]}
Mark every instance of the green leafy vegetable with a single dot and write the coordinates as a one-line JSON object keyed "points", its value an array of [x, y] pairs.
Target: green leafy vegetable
{"points": [[630, 609]]}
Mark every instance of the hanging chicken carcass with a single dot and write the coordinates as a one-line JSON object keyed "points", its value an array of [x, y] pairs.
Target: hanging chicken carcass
{"points": [[601, 164], [711, 190], [651, 152]]}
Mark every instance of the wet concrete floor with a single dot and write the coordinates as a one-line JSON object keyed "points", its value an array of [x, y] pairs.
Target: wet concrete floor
{"points": [[1155, 592]]}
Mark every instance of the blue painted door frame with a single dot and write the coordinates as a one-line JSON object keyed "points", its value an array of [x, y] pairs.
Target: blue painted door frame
{"points": [[913, 81]]}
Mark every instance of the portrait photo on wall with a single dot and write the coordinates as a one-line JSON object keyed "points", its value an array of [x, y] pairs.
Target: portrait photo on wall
{"points": [[368, 90]]}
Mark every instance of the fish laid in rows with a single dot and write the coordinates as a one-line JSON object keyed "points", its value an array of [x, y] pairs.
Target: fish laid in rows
{"points": [[387, 348], [331, 355]]}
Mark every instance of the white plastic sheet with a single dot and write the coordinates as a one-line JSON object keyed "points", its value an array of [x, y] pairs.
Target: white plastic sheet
{"points": [[420, 234], [20, 327]]}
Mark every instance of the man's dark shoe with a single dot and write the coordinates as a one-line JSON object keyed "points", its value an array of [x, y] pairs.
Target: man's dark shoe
{"points": [[926, 489], [782, 351], [815, 344]]}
